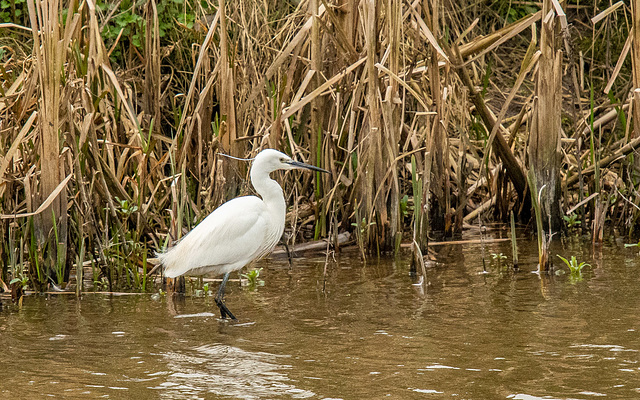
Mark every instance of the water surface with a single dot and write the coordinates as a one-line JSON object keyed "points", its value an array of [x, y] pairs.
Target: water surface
{"points": [[471, 333]]}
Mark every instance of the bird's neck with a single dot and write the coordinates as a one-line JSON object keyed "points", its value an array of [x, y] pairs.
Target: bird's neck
{"points": [[269, 190]]}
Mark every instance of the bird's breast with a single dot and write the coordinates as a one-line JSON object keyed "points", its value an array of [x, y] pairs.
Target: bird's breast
{"points": [[274, 231]]}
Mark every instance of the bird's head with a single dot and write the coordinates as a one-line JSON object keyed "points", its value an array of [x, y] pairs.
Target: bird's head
{"points": [[272, 160]]}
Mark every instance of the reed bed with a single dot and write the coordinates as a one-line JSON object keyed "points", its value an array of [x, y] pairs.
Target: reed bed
{"points": [[428, 114]]}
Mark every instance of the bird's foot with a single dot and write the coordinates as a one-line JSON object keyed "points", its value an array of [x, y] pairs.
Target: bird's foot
{"points": [[224, 311]]}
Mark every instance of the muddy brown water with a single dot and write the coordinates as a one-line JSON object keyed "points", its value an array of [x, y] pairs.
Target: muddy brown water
{"points": [[372, 334]]}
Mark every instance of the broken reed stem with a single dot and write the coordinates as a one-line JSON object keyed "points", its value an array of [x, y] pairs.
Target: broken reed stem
{"points": [[370, 157], [440, 217], [392, 118], [514, 243], [543, 256], [544, 145], [49, 60], [317, 123], [635, 67]]}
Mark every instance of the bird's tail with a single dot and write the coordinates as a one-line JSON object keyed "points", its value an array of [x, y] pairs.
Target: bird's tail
{"points": [[166, 260]]}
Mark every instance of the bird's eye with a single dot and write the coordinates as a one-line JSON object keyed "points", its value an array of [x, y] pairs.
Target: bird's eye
{"points": [[283, 160]]}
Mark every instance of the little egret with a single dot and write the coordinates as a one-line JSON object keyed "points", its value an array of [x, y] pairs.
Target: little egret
{"points": [[239, 231]]}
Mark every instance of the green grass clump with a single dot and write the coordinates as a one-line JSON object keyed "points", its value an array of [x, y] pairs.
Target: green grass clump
{"points": [[574, 266], [252, 278]]}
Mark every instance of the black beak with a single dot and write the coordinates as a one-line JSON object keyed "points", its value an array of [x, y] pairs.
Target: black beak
{"points": [[299, 164]]}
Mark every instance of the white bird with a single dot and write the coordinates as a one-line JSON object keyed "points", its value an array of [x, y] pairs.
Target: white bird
{"points": [[239, 231]]}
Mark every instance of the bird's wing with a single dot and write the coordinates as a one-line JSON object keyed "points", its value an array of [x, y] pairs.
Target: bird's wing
{"points": [[231, 236]]}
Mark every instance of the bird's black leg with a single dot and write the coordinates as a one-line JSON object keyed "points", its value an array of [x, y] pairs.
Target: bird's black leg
{"points": [[286, 247], [224, 311]]}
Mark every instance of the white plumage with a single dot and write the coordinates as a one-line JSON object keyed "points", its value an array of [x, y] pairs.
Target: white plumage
{"points": [[239, 231], [212, 245]]}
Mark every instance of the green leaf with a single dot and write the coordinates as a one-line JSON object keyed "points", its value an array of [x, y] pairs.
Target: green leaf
{"points": [[565, 260]]}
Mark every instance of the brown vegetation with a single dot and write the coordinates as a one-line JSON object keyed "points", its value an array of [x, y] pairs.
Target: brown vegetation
{"points": [[428, 114]]}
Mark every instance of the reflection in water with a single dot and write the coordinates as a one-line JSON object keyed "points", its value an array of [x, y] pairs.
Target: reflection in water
{"points": [[371, 334], [522, 396], [227, 371], [197, 315]]}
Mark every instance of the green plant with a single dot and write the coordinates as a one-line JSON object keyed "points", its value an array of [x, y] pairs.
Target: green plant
{"points": [[572, 221], [125, 254], [127, 24], [13, 11], [59, 264], [100, 284], [361, 228], [36, 273], [200, 291], [477, 129], [574, 266], [20, 278], [125, 208], [404, 206], [627, 245], [252, 278], [543, 245], [498, 257], [363, 225]]}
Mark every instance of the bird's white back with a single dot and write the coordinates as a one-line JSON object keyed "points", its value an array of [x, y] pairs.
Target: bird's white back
{"points": [[233, 235]]}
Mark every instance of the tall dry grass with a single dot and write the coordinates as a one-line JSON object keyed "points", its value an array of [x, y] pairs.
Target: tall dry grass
{"points": [[423, 111]]}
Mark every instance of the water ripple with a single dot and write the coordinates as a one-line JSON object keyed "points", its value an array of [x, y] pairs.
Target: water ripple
{"points": [[228, 371]]}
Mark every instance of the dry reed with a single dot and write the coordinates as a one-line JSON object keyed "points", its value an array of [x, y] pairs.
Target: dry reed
{"points": [[131, 130]]}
